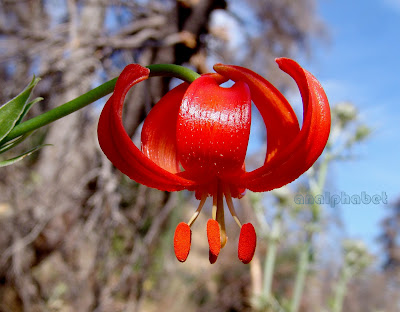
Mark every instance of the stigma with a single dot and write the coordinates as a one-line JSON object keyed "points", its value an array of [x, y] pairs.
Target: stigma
{"points": [[216, 231]]}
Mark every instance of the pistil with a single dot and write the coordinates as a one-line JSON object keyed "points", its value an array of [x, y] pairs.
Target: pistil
{"points": [[220, 215]]}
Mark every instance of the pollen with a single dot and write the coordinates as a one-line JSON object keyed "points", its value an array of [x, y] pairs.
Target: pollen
{"points": [[212, 258], [247, 243], [182, 241], [214, 239]]}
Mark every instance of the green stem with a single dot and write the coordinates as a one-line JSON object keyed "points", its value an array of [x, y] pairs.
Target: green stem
{"points": [[270, 259], [304, 261], [171, 70], [305, 255], [323, 170], [63, 110], [341, 289]]}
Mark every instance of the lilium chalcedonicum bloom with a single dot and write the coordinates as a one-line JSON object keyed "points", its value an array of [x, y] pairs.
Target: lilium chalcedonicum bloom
{"points": [[195, 138]]}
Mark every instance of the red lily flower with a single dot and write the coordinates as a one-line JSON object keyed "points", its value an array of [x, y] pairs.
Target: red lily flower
{"points": [[196, 138]]}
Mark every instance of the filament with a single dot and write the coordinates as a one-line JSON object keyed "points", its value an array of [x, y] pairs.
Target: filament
{"points": [[229, 202], [220, 214], [198, 210]]}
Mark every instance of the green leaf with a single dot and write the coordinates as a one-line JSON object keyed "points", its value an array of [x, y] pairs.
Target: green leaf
{"points": [[11, 112], [15, 142], [20, 157], [27, 108]]}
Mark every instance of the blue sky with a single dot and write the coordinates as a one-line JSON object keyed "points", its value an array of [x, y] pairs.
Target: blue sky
{"points": [[361, 64]]}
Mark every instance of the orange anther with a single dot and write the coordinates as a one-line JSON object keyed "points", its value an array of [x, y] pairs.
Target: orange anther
{"points": [[182, 241], [214, 239], [212, 257], [247, 243]]}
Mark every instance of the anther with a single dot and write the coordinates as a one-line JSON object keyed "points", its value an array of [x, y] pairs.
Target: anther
{"points": [[182, 241], [214, 239], [211, 257], [247, 243]]}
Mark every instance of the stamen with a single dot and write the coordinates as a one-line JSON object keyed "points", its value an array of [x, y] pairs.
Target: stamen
{"points": [[247, 243], [229, 202], [220, 214], [214, 208], [182, 241], [214, 239], [212, 258], [198, 210]]}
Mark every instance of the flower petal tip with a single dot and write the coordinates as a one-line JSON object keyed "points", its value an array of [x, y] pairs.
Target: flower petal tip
{"points": [[182, 241], [282, 61], [247, 243]]}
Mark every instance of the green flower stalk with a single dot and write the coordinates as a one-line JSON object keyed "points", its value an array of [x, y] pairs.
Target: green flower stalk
{"points": [[74, 105]]}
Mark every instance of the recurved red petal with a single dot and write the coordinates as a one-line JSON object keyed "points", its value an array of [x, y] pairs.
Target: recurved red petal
{"points": [[213, 128], [279, 118], [307, 146], [118, 146], [159, 130]]}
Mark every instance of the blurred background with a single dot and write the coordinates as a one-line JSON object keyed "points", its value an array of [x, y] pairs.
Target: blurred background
{"points": [[77, 235]]}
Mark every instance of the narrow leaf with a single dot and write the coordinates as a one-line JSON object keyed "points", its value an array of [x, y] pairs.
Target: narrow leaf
{"points": [[20, 157], [10, 113], [15, 142], [27, 108]]}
